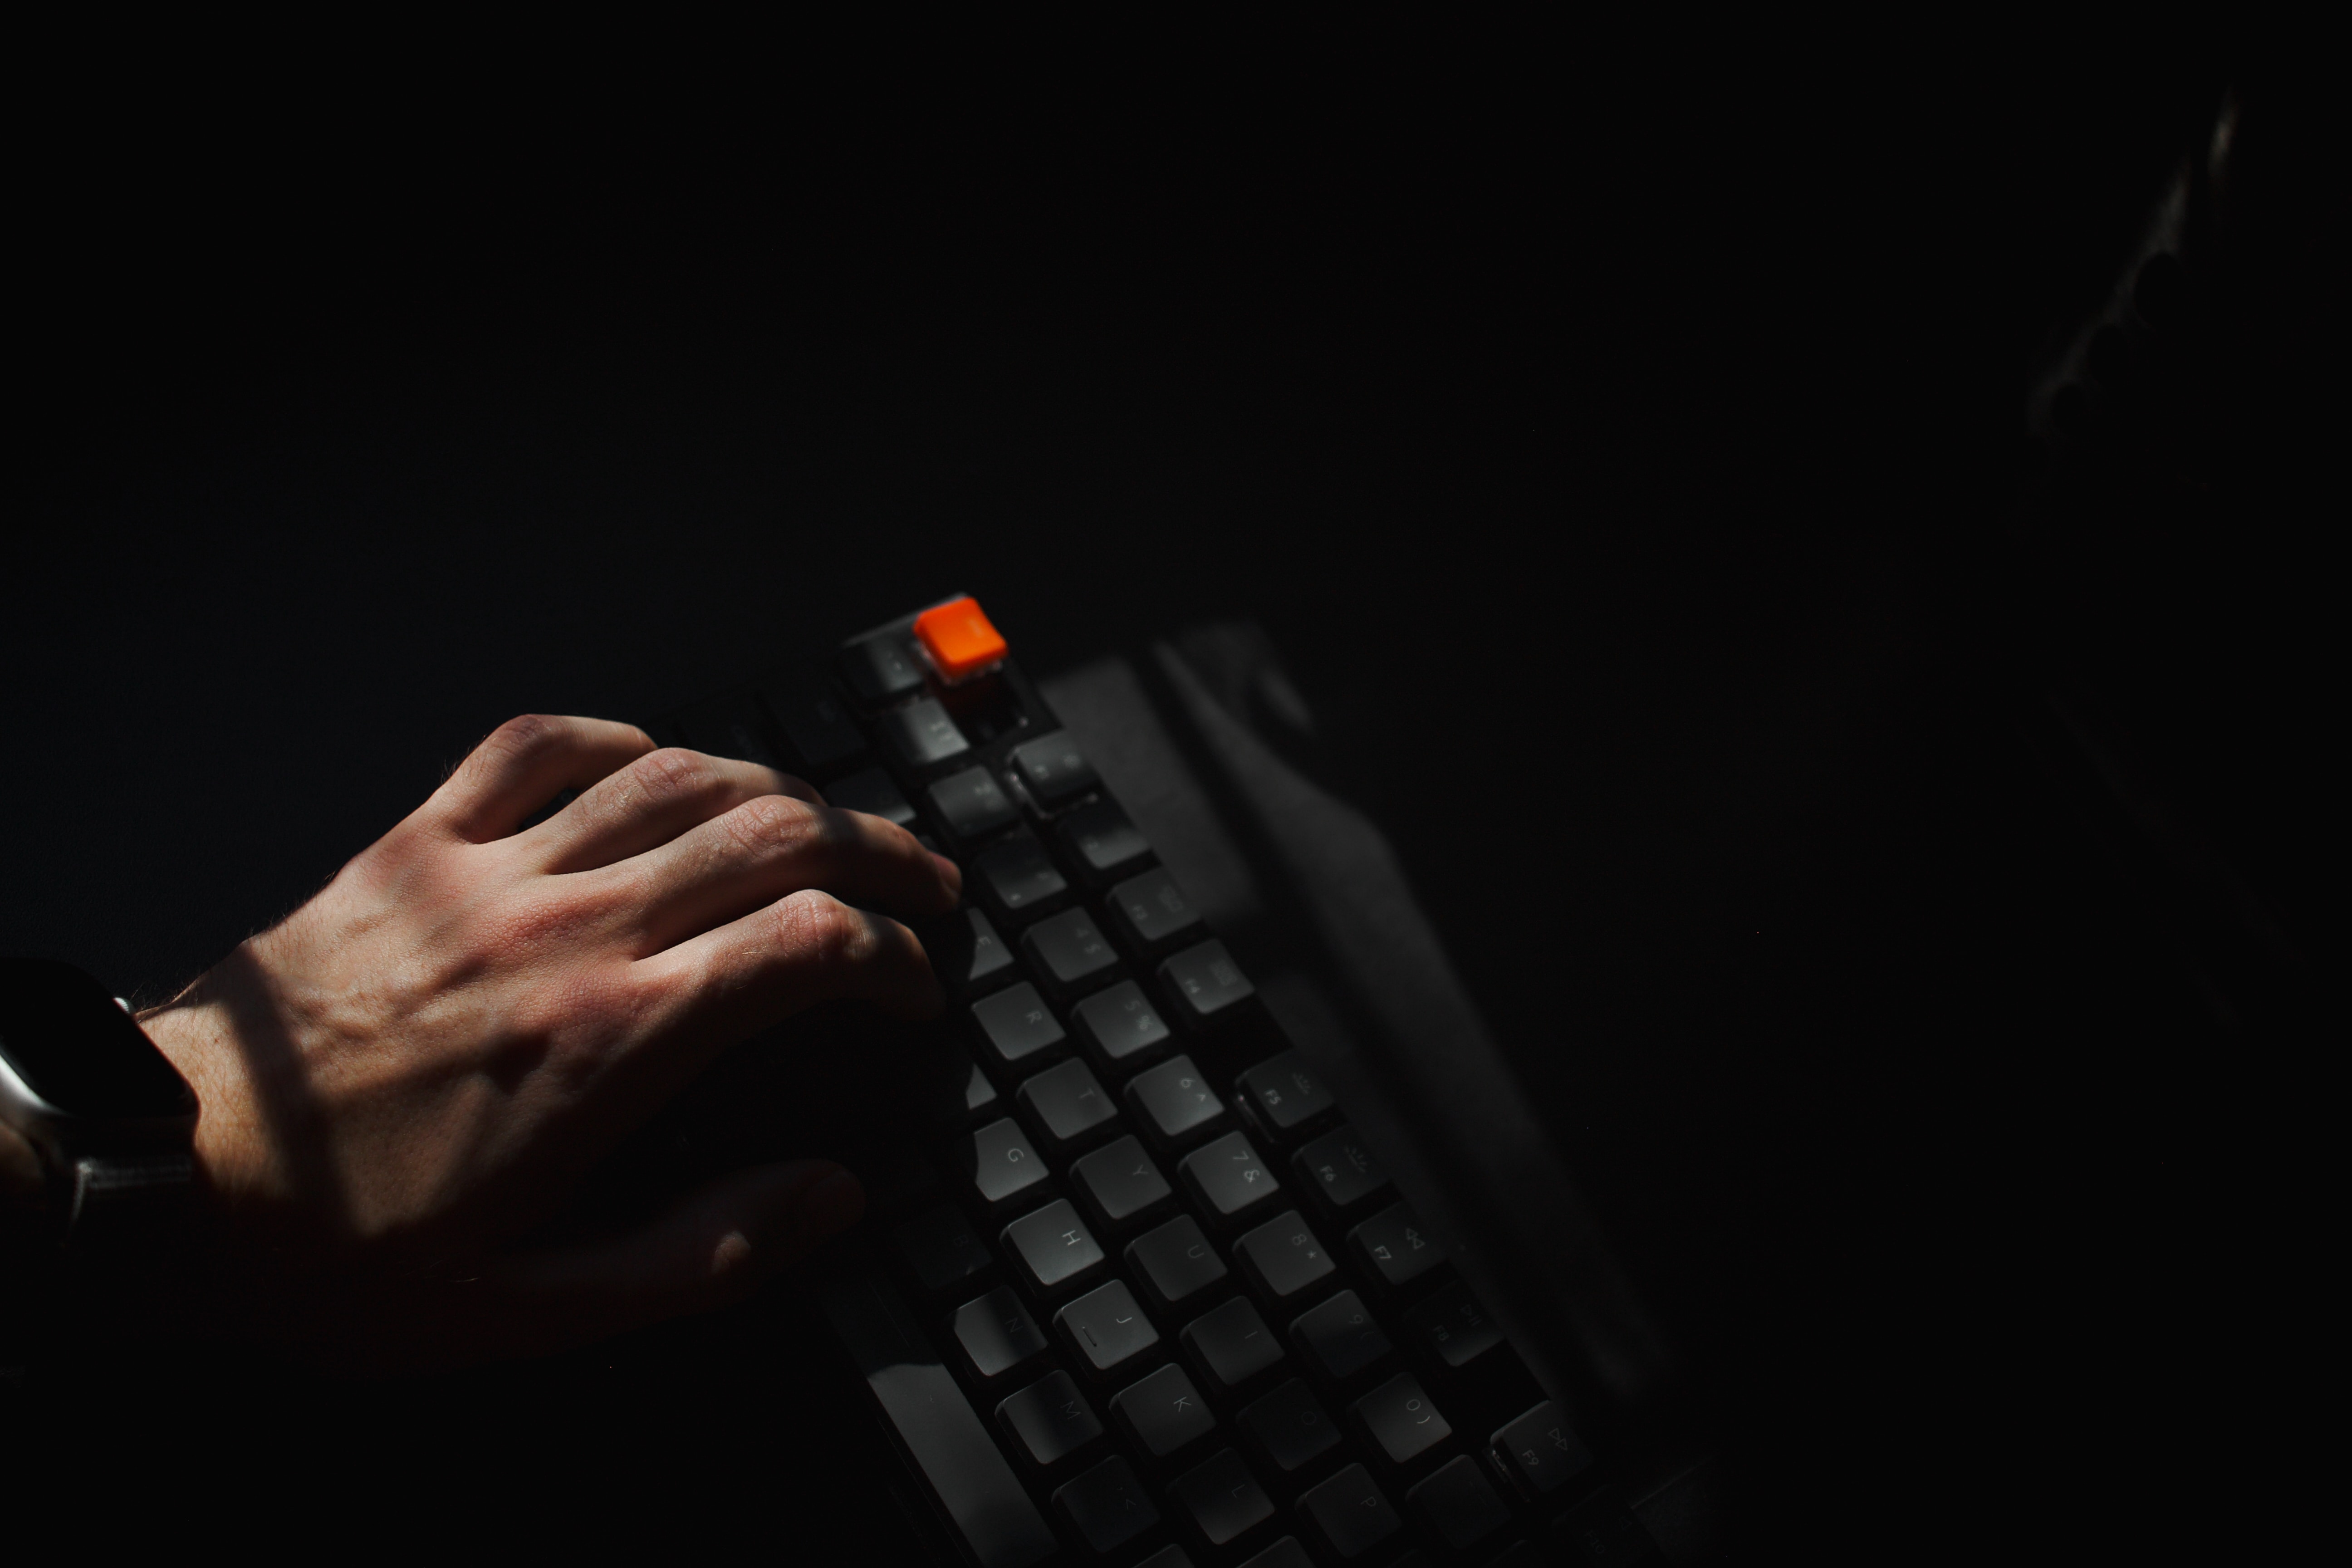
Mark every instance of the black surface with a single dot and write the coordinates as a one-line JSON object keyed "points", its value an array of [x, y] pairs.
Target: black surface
{"points": [[79, 1052], [1656, 419]]}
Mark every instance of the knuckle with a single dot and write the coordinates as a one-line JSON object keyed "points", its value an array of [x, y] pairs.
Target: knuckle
{"points": [[826, 932], [771, 823], [525, 734], [673, 772]]}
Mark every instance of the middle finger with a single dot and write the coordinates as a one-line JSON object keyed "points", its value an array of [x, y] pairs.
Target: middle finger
{"points": [[769, 848]]}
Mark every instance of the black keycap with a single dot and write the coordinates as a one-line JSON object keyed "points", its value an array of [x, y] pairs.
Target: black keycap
{"points": [[1289, 1429], [881, 666], [1053, 768], [1231, 1345], [1204, 982], [1153, 912], [1106, 1507], [1175, 1100], [1120, 1185], [1175, 1261], [1339, 1338], [1107, 1328], [1458, 1506], [1401, 1420], [972, 804], [941, 1252], [997, 1333], [1016, 1028], [822, 735], [1068, 952], [940, 1431], [965, 951], [1053, 1244], [1350, 1513], [1284, 1095], [1049, 1420], [1227, 1177], [1221, 1499], [1284, 1260], [1284, 1553], [871, 791], [1103, 842], [978, 1094], [1016, 872], [921, 734], [1454, 1327], [1066, 1104], [1543, 1453], [1340, 1169], [1164, 1413], [1168, 1557], [1119, 1026], [1395, 1243], [999, 1161]]}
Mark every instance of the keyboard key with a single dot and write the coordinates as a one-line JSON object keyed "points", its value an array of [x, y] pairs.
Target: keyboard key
{"points": [[1339, 1339], [1068, 952], [1458, 1506], [941, 1252], [1106, 1507], [873, 792], [1401, 1420], [921, 734], [965, 952], [821, 734], [972, 805], [1016, 1028], [1340, 1169], [941, 1433], [1103, 842], [1542, 1452], [1350, 1513], [881, 666], [1231, 1345], [731, 728], [997, 1333], [978, 1094], [1119, 1026], [1396, 1245], [1053, 768], [1289, 1429], [1164, 1413], [1107, 1328], [1049, 1420], [1152, 911], [1120, 1185], [1284, 1096], [960, 640], [1284, 1553], [1283, 1258], [1227, 1177], [1066, 1104], [999, 1161], [1175, 1261], [1168, 1557], [1054, 1245], [1454, 1327], [1222, 1499], [1016, 872], [1175, 1100], [1203, 982]]}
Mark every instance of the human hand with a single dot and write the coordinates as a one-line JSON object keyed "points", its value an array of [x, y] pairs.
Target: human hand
{"points": [[418, 1065]]}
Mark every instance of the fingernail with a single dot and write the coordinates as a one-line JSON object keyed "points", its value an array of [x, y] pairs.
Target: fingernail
{"points": [[834, 1205], [950, 875]]}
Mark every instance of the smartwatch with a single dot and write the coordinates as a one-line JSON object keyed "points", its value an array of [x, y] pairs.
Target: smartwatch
{"points": [[111, 1117]]}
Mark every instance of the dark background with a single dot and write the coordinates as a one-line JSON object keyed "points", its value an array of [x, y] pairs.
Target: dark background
{"points": [[1623, 447]]}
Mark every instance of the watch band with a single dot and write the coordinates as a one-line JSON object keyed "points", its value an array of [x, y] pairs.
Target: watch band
{"points": [[124, 1201]]}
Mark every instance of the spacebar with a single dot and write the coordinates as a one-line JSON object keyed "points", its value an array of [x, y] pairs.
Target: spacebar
{"points": [[937, 1426]]}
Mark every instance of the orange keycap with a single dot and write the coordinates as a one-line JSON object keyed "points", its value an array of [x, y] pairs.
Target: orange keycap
{"points": [[960, 640]]}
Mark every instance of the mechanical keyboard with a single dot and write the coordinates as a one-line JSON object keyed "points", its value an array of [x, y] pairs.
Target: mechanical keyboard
{"points": [[1132, 1290]]}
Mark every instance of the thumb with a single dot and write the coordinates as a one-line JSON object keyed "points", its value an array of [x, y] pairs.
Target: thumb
{"points": [[711, 1249]]}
